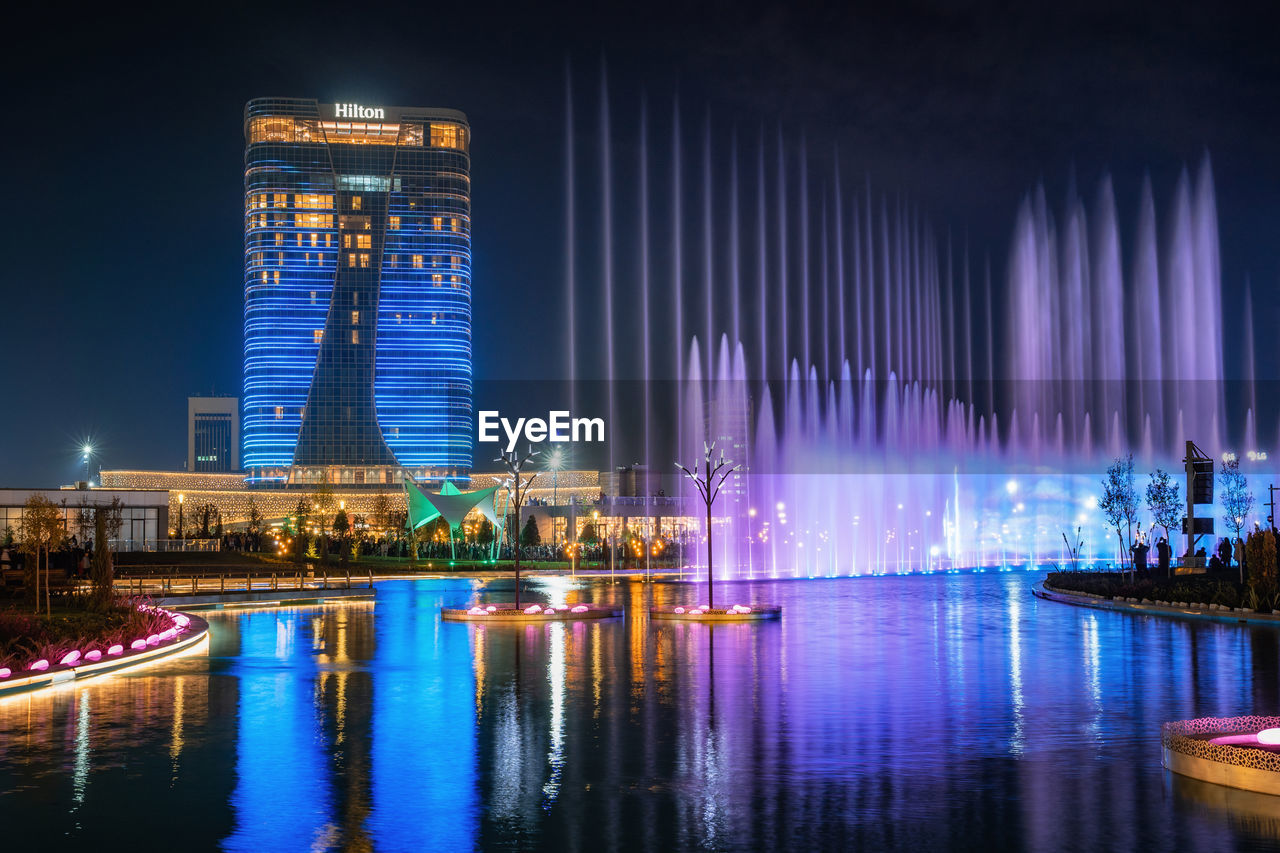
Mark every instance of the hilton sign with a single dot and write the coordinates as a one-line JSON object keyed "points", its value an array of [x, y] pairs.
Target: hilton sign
{"points": [[357, 111]]}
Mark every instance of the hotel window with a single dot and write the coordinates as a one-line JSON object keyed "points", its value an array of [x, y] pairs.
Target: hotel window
{"points": [[355, 336], [454, 224], [356, 202], [437, 222], [307, 256], [417, 262], [328, 239], [313, 297], [281, 200], [346, 241], [266, 276], [448, 136], [317, 335], [364, 241], [455, 261], [392, 260], [280, 258], [279, 238], [397, 319], [433, 318], [437, 279], [355, 318], [315, 239], [277, 276], [453, 279], [279, 413], [364, 259], [393, 222], [299, 239], [351, 259]]}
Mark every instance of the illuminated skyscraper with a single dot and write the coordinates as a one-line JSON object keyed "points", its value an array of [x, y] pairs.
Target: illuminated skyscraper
{"points": [[357, 321]]}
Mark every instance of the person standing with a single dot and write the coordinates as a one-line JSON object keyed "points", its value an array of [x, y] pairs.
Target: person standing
{"points": [[1163, 553]]}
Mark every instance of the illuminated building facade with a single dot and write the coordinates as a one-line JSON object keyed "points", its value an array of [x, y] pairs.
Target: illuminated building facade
{"points": [[357, 335]]}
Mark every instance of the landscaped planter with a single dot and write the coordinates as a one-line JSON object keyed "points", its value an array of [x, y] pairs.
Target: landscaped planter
{"points": [[186, 633], [530, 614], [1240, 752], [702, 613]]}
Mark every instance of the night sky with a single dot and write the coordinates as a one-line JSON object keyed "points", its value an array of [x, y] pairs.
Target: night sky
{"points": [[123, 274]]}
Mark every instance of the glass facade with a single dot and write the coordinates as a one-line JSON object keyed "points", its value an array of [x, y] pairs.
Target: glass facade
{"points": [[357, 293], [212, 442]]}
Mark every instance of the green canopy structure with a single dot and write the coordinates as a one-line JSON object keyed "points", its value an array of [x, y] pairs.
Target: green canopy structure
{"points": [[449, 503]]}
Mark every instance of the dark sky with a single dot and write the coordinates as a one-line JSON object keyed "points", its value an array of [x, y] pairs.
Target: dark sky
{"points": [[122, 283]]}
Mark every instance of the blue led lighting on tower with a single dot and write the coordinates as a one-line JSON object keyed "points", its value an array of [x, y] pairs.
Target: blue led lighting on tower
{"points": [[357, 324]]}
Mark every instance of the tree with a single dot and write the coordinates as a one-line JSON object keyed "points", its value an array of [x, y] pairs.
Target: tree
{"points": [[514, 463], [1119, 502], [1237, 500], [1163, 501], [300, 535], [589, 535], [102, 570], [1260, 554], [255, 517], [484, 532], [42, 528], [709, 480], [530, 536], [341, 529], [381, 514]]}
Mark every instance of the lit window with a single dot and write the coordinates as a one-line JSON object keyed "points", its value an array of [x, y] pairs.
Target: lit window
{"points": [[265, 276], [315, 239], [277, 276], [397, 319], [433, 318], [364, 241], [279, 413], [328, 239], [299, 238], [455, 261], [437, 222], [279, 238], [355, 318], [351, 259], [317, 335], [392, 259], [346, 241], [453, 223], [393, 223], [417, 262], [356, 202], [355, 336], [437, 279], [308, 258], [281, 200], [364, 259], [313, 297]]}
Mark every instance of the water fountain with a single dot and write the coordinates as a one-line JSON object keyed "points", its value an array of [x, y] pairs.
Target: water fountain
{"points": [[854, 367]]}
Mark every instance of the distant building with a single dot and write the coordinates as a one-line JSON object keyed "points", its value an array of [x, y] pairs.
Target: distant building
{"points": [[144, 514], [357, 297], [213, 434]]}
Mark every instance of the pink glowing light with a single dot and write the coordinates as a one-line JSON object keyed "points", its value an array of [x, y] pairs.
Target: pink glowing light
{"points": [[117, 649], [168, 633], [94, 655], [182, 621], [70, 659], [39, 666], [562, 607], [581, 608], [533, 608], [492, 608], [550, 611], [153, 640], [5, 672], [679, 610], [477, 611], [138, 644], [1270, 737]]}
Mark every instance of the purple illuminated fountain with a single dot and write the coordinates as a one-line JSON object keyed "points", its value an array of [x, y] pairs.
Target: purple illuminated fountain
{"points": [[847, 357]]}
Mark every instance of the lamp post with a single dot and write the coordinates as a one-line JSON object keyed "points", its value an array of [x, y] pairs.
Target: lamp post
{"points": [[555, 464], [182, 530], [86, 451]]}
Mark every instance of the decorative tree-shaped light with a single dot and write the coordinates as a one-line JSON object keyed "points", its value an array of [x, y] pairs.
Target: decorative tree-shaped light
{"points": [[514, 463], [709, 478]]}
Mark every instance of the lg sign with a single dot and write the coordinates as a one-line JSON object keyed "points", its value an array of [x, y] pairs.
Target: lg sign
{"points": [[356, 111]]}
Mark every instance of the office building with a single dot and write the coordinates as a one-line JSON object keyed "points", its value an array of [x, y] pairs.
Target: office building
{"points": [[213, 434]]}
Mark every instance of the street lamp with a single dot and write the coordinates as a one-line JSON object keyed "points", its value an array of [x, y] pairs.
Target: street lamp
{"points": [[555, 464], [87, 451], [182, 530]]}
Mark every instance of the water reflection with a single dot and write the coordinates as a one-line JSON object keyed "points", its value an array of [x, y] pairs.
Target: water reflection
{"points": [[952, 712]]}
